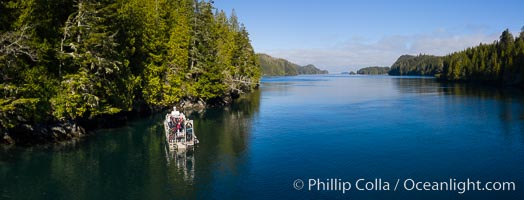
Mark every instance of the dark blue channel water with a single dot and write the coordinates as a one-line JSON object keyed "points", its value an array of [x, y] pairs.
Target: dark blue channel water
{"points": [[379, 129]]}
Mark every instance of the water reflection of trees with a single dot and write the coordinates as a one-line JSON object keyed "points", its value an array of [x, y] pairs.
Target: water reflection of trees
{"points": [[510, 100], [481, 91], [124, 163], [430, 85], [276, 87], [416, 85], [224, 140], [228, 128]]}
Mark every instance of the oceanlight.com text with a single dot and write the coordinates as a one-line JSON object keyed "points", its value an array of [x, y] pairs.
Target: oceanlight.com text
{"points": [[407, 184]]}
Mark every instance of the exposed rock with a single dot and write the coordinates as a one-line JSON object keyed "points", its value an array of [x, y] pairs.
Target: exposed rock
{"points": [[44, 131], [192, 105], [227, 100], [7, 139], [200, 105], [28, 127], [75, 130], [41, 133], [20, 118], [58, 130]]}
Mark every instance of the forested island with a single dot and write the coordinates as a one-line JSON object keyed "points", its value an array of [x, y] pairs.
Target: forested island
{"points": [[375, 70], [281, 67], [65, 64], [421, 65]]}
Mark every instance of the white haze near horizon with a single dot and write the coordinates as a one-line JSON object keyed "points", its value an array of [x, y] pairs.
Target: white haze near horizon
{"points": [[357, 53]]}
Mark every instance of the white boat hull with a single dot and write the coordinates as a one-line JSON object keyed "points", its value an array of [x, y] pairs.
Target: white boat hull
{"points": [[179, 139]]}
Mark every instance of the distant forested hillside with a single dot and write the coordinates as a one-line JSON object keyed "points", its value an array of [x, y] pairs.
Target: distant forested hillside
{"points": [[424, 65], [373, 70], [280, 67]]}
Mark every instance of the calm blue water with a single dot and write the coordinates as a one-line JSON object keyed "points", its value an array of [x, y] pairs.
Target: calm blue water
{"points": [[303, 127]]}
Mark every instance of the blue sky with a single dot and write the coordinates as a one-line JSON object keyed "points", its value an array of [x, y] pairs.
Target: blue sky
{"points": [[343, 35]]}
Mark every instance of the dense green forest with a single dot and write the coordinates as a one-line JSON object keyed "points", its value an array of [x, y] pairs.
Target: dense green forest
{"points": [[69, 60], [422, 65], [280, 67], [501, 62], [375, 70]]}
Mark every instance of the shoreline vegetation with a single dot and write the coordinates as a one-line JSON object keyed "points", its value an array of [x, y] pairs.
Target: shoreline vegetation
{"points": [[272, 66], [375, 70], [499, 63], [68, 67]]}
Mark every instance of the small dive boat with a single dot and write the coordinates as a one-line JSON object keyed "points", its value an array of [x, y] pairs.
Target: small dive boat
{"points": [[180, 134]]}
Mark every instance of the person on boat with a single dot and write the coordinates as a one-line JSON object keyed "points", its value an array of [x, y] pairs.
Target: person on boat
{"points": [[178, 127], [171, 137], [171, 123], [189, 131], [181, 122]]}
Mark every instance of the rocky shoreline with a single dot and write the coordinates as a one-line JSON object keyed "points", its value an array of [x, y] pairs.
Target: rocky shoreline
{"points": [[27, 134], [63, 131]]}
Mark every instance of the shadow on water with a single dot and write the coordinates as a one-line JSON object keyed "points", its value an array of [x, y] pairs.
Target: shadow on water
{"points": [[131, 162], [112, 163], [507, 101], [423, 85], [416, 85], [220, 157]]}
